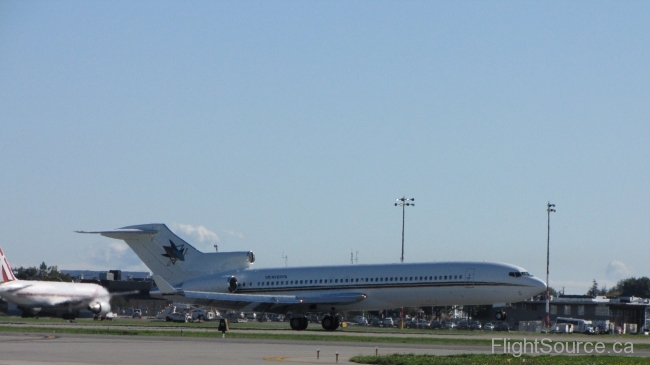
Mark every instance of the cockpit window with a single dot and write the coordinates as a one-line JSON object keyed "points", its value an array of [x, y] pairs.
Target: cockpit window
{"points": [[517, 274]]}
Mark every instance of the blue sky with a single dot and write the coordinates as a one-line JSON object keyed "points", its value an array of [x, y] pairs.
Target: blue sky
{"points": [[291, 127]]}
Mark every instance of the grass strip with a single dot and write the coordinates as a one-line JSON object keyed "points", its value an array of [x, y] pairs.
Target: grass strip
{"points": [[293, 336], [410, 359], [244, 334]]}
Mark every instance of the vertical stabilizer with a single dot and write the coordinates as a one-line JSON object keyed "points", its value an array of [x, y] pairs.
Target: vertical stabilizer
{"points": [[173, 259], [6, 273]]}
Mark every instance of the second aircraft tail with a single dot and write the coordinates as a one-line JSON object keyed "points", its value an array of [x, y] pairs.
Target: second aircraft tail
{"points": [[6, 274]]}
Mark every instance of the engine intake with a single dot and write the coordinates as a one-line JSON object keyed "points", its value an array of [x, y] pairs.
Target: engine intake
{"points": [[232, 284], [99, 308]]}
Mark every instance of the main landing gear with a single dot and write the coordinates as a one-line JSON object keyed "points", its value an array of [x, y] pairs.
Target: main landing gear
{"points": [[501, 316], [330, 323], [298, 323]]}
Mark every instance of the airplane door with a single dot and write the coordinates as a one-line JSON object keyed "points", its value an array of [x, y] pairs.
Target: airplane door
{"points": [[469, 278]]}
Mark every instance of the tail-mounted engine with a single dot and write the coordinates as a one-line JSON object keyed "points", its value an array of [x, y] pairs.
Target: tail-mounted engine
{"points": [[232, 284]]}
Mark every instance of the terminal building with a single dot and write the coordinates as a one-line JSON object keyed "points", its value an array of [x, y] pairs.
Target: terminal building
{"points": [[620, 311]]}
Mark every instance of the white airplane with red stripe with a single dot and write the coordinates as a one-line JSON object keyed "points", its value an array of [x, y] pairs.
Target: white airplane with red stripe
{"points": [[33, 295]]}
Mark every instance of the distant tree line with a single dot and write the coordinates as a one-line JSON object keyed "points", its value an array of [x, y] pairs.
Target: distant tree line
{"points": [[630, 287], [43, 273]]}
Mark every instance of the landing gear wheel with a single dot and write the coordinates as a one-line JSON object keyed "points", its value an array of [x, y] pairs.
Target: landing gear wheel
{"points": [[501, 316], [330, 323], [304, 324], [327, 322], [298, 323]]}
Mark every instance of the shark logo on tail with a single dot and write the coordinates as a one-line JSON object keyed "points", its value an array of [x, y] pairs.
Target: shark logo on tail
{"points": [[174, 252]]}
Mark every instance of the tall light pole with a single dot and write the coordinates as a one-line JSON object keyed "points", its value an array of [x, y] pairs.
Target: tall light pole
{"points": [[404, 202], [549, 209]]}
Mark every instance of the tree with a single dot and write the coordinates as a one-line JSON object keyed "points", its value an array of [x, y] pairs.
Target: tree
{"points": [[631, 287], [43, 272], [635, 287], [603, 290], [593, 291]]}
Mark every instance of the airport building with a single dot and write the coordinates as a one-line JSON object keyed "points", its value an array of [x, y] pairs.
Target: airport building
{"points": [[619, 311]]}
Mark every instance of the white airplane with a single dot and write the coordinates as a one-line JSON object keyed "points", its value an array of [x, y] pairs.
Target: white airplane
{"points": [[226, 281], [35, 295]]}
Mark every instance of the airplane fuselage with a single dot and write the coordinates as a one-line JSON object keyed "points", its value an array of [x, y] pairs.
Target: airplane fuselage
{"points": [[46, 294], [385, 286]]}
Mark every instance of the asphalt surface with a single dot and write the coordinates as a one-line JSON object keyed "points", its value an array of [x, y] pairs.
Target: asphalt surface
{"points": [[52, 348]]}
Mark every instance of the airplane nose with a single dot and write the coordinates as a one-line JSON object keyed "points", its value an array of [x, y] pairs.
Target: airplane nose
{"points": [[538, 285]]}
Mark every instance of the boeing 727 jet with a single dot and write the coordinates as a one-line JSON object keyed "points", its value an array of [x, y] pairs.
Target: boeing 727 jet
{"points": [[227, 281]]}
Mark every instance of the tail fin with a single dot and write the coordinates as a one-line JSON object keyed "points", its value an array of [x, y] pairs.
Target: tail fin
{"points": [[7, 274], [173, 259]]}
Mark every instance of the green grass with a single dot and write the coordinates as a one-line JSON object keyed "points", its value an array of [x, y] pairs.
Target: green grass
{"points": [[411, 359]]}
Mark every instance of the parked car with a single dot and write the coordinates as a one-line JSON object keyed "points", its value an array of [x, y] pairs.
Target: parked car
{"points": [[435, 324], [423, 323], [202, 314], [277, 317], [137, 313], [179, 317], [236, 317], [502, 326], [410, 323], [476, 325], [361, 321], [376, 322], [388, 322], [449, 325], [462, 325], [488, 327]]}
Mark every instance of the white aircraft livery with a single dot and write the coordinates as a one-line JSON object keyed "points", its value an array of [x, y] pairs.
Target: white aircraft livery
{"points": [[226, 281], [31, 295]]}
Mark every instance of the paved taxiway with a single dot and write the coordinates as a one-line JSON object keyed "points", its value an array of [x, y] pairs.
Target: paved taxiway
{"points": [[72, 349], [52, 348]]}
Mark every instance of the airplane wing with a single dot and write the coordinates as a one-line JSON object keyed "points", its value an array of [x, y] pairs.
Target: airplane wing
{"points": [[260, 302]]}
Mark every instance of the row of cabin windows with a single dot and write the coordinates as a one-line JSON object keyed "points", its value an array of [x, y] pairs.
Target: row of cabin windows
{"points": [[357, 280]]}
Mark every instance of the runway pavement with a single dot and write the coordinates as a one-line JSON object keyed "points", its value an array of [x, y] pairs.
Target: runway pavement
{"points": [[51, 348]]}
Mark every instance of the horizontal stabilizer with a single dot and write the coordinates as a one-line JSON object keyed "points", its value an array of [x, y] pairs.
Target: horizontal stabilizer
{"points": [[124, 234]]}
